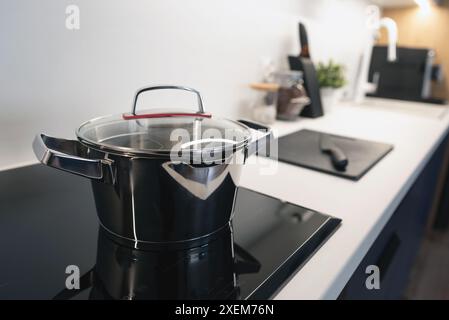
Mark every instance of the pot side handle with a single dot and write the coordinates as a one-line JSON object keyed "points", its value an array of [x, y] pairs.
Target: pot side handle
{"points": [[260, 138], [71, 156]]}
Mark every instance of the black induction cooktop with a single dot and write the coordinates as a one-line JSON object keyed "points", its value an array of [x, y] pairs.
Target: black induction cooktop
{"points": [[49, 231]]}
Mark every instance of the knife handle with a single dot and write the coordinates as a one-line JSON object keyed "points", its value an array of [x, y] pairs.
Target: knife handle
{"points": [[339, 159], [304, 41]]}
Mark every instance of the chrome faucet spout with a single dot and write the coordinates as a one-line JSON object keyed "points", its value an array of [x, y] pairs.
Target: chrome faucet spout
{"points": [[392, 29], [374, 24]]}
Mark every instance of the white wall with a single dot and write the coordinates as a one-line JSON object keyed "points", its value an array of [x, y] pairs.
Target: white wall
{"points": [[52, 79]]}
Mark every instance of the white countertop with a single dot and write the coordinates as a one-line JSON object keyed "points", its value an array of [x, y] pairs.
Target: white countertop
{"points": [[365, 206]]}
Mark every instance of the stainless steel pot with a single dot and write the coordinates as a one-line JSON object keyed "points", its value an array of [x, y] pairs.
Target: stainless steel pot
{"points": [[158, 176]]}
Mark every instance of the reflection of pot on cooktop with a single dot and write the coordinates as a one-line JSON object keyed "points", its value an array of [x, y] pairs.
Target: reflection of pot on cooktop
{"points": [[208, 271]]}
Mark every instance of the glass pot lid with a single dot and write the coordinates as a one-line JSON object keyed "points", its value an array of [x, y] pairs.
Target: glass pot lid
{"points": [[164, 131]]}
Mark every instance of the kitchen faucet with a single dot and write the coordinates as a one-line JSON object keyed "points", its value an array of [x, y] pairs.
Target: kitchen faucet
{"points": [[374, 24]]}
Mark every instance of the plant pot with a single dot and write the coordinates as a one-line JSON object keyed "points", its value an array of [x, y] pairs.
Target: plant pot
{"points": [[330, 97]]}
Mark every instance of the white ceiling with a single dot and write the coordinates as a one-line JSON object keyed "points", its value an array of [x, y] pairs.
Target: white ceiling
{"points": [[393, 3]]}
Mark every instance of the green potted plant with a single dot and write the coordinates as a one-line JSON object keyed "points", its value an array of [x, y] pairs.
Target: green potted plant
{"points": [[331, 78]]}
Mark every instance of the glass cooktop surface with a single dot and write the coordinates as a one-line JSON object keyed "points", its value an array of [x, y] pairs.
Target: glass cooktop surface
{"points": [[49, 234]]}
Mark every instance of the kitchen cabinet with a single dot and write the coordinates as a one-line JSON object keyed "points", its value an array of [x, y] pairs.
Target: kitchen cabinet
{"points": [[396, 247], [439, 219]]}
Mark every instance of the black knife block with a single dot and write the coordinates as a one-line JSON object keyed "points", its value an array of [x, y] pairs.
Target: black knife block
{"points": [[305, 65]]}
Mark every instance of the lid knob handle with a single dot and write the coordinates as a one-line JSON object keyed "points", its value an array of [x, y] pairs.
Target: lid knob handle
{"points": [[199, 113], [142, 90]]}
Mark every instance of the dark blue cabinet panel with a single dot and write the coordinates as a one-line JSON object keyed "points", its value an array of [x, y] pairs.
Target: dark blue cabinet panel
{"points": [[397, 245]]}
